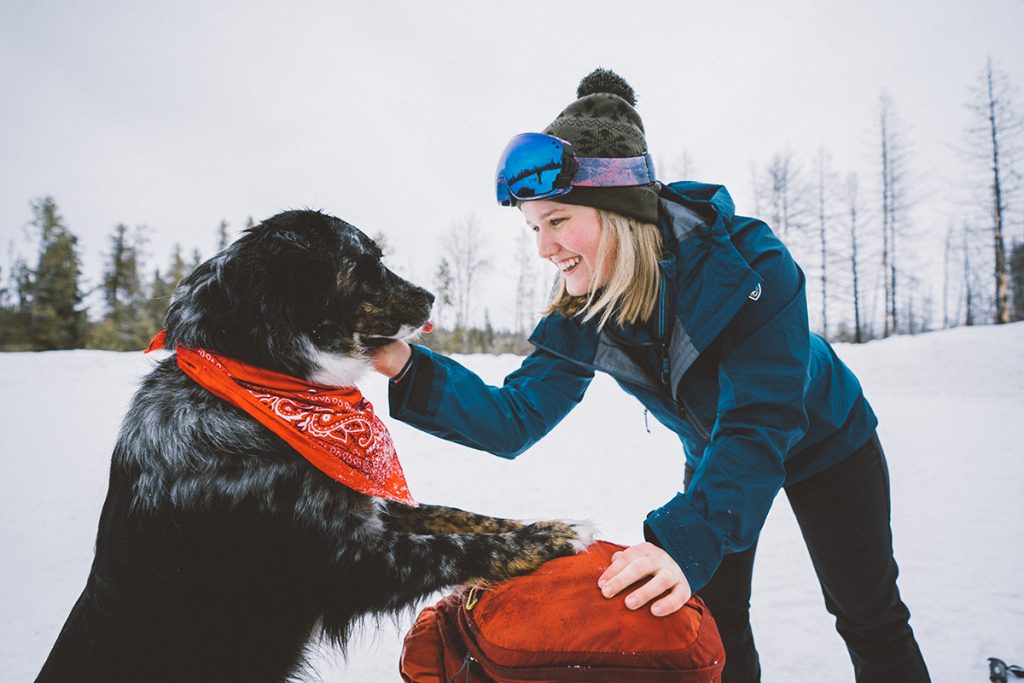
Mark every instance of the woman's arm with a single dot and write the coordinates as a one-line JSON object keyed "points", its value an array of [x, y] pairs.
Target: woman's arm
{"points": [[438, 395]]}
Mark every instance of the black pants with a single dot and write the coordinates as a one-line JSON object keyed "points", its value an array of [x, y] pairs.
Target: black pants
{"points": [[843, 514]]}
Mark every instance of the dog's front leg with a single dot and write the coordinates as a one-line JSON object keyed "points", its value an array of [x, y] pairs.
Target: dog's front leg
{"points": [[437, 519], [399, 569]]}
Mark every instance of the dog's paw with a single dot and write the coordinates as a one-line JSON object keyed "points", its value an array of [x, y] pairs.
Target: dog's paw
{"points": [[586, 534], [580, 534], [523, 550]]}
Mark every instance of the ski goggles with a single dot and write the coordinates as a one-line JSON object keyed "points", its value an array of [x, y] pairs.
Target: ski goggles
{"points": [[538, 166]]}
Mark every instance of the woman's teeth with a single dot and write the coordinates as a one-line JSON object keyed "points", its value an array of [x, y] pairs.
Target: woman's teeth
{"points": [[569, 263]]}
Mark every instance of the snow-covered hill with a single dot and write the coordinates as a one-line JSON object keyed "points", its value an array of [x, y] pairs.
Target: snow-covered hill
{"points": [[951, 406]]}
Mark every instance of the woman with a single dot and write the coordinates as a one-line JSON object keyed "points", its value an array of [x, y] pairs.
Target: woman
{"points": [[702, 316]]}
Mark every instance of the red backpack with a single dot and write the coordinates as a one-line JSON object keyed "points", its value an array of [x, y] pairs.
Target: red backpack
{"points": [[554, 625]]}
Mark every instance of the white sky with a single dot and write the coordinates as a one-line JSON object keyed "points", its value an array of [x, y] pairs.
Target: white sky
{"points": [[391, 115]]}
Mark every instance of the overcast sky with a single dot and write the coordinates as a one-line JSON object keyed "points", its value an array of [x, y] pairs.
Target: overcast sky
{"points": [[391, 115]]}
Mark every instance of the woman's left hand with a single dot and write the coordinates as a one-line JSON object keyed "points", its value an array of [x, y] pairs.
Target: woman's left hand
{"points": [[646, 559]]}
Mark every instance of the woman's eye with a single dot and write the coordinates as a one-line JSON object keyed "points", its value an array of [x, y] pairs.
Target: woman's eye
{"points": [[555, 222]]}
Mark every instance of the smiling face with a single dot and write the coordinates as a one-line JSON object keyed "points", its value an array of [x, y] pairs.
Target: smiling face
{"points": [[570, 237]]}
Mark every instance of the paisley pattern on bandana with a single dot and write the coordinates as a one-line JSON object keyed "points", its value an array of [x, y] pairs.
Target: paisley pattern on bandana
{"points": [[341, 430]]}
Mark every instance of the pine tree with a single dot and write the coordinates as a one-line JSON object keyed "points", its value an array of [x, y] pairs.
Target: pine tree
{"points": [[179, 268], [15, 316], [162, 286], [160, 291], [223, 236], [56, 317], [126, 323], [7, 314]]}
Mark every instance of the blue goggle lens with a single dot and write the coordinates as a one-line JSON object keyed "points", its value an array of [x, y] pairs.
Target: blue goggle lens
{"points": [[534, 166]]}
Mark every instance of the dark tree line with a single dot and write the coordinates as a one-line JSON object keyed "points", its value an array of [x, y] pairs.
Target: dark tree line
{"points": [[42, 300], [42, 303]]}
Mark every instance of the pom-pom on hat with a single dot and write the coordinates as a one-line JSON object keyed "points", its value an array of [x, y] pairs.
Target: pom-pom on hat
{"points": [[602, 122]]}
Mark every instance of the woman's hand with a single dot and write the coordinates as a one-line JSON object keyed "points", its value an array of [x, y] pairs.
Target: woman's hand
{"points": [[389, 360], [646, 559]]}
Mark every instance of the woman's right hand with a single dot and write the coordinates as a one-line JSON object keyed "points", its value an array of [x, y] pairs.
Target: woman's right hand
{"points": [[642, 561], [389, 360]]}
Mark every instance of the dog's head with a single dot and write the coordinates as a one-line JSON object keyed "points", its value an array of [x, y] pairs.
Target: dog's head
{"points": [[301, 293]]}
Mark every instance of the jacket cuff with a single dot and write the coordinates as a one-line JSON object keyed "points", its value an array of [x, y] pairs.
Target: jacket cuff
{"points": [[688, 540], [409, 390], [651, 537], [400, 375]]}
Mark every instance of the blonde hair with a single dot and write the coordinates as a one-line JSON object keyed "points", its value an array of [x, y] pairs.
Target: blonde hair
{"points": [[631, 291]]}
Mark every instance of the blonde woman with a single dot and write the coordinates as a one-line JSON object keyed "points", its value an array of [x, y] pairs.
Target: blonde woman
{"points": [[701, 315]]}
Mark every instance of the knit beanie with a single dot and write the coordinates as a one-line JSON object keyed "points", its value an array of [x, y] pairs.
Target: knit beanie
{"points": [[603, 123]]}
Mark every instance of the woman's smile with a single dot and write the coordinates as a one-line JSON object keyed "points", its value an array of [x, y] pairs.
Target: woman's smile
{"points": [[568, 264], [570, 237]]}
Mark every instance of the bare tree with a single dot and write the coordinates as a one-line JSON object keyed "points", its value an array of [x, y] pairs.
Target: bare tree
{"points": [[894, 166], [526, 278], [755, 182], [443, 290], [825, 181], [855, 266], [781, 191], [681, 168], [1017, 281], [464, 248], [947, 258], [997, 145], [968, 281], [786, 200]]}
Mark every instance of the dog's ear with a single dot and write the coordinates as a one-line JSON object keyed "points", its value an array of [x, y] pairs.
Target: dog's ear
{"points": [[259, 300], [198, 303]]}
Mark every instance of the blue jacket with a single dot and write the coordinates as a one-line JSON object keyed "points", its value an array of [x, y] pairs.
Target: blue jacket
{"points": [[727, 363]]}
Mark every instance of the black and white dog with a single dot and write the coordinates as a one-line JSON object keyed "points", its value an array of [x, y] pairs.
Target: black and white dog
{"points": [[221, 552]]}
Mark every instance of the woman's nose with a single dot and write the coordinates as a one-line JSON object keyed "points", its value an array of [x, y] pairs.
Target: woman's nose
{"points": [[546, 246]]}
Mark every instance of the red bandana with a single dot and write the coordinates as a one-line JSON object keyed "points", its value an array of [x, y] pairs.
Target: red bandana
{"points": [[333, 428]]}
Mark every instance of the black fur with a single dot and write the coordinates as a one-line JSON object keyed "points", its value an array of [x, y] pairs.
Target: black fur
{"points": [[221, 552]]}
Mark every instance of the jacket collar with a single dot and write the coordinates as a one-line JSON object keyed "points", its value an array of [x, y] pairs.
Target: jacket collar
{"points": [[706, 282]]}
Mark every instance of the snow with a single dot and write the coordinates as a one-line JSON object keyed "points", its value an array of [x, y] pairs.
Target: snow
{"points": [[951, 406]]}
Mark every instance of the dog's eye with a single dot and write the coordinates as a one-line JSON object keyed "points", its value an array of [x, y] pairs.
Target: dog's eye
{"points": [[360, 269]]}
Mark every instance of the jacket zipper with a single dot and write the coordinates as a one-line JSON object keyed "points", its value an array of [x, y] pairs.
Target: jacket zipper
{"points": [[666, 373], [691, 417]]}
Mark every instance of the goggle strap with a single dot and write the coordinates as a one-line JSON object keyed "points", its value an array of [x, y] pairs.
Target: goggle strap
{"points": [[614, 172]]}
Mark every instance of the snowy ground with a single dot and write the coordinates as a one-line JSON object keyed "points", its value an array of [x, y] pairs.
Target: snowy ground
{"points": [[951, 406]]}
